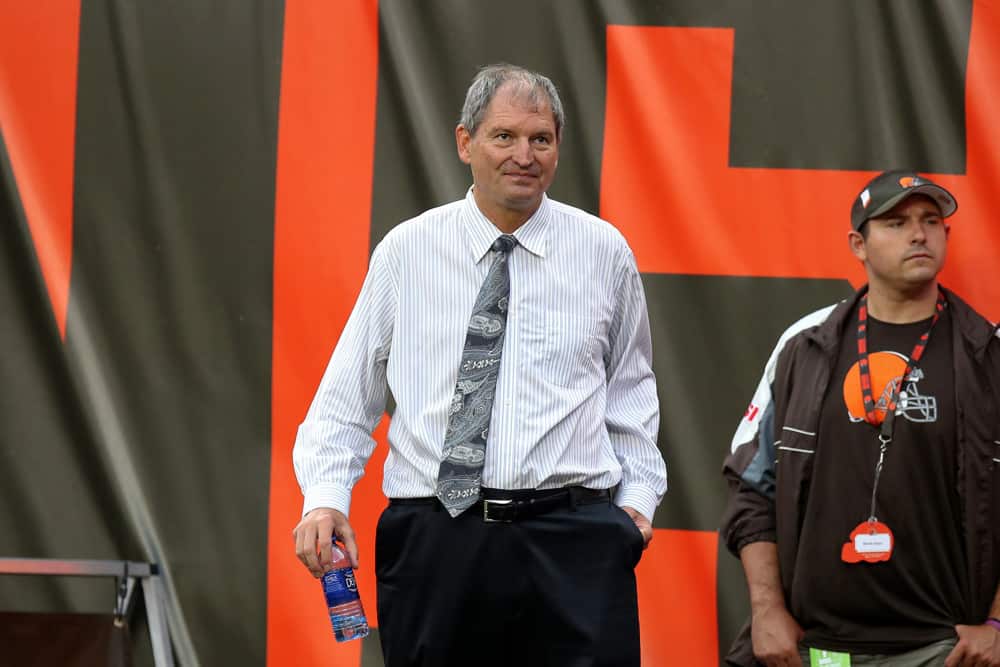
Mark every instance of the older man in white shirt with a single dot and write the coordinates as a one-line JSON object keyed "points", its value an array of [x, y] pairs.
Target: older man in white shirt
{"points": [[523, 470]]}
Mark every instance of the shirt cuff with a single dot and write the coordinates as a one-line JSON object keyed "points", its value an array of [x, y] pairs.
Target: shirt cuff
{"points": [[327, 495], [639, 498], [767, 536]]}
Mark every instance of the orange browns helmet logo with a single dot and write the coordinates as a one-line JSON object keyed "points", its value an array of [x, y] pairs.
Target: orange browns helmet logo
{"points": [[887, 370], [909, 181]]}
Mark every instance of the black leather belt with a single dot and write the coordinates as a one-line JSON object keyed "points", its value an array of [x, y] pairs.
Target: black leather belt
{"points": [[497, 505]]}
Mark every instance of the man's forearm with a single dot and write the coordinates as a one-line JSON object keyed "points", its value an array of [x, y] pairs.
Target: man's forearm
{"points": [[760, 565], [774, 633]]}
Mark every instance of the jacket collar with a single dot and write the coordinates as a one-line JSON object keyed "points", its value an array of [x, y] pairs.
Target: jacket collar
{"points": [[828, 334], [976, 330]]}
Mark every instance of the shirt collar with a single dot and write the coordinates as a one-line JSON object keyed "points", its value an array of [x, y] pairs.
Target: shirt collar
{"points": [[481, 233]]}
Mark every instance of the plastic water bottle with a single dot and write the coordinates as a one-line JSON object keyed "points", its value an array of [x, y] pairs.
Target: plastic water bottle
{"points": [[342, 599]]}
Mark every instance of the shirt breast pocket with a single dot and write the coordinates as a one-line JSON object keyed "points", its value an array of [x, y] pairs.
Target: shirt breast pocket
{"points": [[569, 352]]}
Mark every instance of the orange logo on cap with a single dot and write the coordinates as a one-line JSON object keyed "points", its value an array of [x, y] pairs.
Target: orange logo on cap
{"points": [[909, 181]]}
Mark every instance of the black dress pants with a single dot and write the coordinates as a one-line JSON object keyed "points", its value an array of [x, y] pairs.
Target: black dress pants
{"points": [[555, 589]]}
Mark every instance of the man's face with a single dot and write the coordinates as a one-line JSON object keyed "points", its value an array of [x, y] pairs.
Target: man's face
{"points": [[905, 248], [513, 154]]}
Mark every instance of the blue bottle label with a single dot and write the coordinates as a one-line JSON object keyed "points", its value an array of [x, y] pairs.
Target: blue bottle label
{"points": [[340, 587]]}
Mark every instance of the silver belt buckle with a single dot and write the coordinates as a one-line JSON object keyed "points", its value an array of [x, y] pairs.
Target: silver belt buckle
{"points": [[486, 510]]}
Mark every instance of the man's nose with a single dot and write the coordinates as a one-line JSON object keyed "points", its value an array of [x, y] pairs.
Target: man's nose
{"points": [[919, 232], [523, 155]]}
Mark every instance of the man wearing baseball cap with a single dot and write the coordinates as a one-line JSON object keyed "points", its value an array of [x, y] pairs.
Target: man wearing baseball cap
{"points": [[865, 488]]}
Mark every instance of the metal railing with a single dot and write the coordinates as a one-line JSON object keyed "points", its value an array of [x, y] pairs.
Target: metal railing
{"points": [[127, 573]]}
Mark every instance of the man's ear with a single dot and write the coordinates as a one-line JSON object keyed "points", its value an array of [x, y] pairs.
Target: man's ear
{"points": [[857, 244], [462, 141]]}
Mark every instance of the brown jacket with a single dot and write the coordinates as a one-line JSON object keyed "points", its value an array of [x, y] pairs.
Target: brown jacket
{"points": [[771, 463]]}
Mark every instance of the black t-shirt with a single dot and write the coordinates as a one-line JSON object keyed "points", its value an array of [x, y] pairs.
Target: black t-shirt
{"points": [[915, 597]]}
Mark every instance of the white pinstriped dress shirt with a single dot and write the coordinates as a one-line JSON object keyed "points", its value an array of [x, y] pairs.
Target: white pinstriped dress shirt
{"points": [[575, 400]]}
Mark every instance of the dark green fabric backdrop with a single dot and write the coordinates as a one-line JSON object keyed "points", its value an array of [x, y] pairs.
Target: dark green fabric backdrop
{"points": [[146, 433]]}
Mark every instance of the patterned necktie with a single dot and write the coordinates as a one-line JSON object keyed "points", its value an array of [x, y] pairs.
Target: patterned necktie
{"points": [[461, 472]]}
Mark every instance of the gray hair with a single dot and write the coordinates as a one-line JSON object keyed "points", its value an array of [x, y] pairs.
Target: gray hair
{"points": [[492, 77]]}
